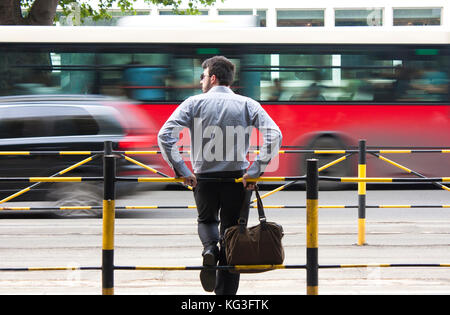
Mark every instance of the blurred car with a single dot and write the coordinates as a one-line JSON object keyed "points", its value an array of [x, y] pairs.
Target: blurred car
{"points": [[69, 123]]}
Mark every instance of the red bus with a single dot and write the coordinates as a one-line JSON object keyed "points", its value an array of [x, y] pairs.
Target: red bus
{"points": [[325, 88]]}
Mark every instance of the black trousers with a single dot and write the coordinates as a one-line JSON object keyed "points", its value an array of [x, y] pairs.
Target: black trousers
{"points": [[219, 202]]}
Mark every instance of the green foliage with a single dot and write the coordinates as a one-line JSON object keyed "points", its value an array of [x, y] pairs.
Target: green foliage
{"points": [[102, 8]]}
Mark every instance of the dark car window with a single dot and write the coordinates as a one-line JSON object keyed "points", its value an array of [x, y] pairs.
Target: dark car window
{"points": [[74, 125], [23, 128]]}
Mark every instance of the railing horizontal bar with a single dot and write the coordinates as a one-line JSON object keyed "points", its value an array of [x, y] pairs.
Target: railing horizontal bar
{"points": [[236, 267], [50, 152], [48, 268], [331, 151], [384, 179], [224, 180], [381, 265], [239, 180], [49, 179], [51, 208], [287, 206], [144, 207]]}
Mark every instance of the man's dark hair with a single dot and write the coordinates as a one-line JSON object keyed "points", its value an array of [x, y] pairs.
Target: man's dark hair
{"points": [[222, 68]]}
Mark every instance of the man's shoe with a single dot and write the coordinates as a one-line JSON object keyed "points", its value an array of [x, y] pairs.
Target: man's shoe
{"points": [[208, 276]]}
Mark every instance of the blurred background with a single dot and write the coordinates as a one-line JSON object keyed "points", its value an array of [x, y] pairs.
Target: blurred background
{"points": [[329, 74]]}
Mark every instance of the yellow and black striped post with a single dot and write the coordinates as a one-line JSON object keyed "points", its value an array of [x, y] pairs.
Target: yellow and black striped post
{"points": [[312, 228], [109, 173], [362, 194]]}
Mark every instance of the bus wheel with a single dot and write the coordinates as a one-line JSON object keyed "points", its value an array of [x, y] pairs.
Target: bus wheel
{"points": [[341, 169]]}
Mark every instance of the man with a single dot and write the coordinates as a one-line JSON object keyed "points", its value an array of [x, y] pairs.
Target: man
{"points": [[220, 124]]}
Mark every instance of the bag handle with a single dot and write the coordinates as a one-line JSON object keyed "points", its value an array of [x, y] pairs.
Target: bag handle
{"points": [[245, 209], [261, 214]]}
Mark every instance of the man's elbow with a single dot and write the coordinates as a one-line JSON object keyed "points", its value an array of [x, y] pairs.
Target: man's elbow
{"points": [[279, 139], [161, 138]]}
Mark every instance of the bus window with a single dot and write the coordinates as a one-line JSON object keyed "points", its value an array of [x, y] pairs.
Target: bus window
{"points": [[284, 77], [139, 76], [184, 78], [27, 72], [77, 73], [361, 69], [356, 74]]}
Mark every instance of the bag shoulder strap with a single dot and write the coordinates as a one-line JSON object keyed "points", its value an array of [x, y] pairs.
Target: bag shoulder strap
{"points": [[261, 214], [245, 208]]}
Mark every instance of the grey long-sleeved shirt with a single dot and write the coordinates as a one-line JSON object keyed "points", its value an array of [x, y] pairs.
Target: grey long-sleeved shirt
{"points": [[220, 123]]}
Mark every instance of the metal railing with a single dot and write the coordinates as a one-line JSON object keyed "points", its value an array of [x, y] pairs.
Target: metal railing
{"points": [[311, 179]]}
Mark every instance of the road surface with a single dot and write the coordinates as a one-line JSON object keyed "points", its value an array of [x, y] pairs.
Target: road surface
{"points": [[168, 237]]}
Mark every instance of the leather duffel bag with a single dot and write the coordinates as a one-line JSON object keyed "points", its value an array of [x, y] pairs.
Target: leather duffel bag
{"points": [[257, 245]]}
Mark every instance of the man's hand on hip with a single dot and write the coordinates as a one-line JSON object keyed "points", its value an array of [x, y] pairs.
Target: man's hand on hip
{"points": [[190, 180], [248, 185]]}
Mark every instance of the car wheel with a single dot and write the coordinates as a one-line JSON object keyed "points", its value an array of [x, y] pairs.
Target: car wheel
{"points": [[78, 195]]}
